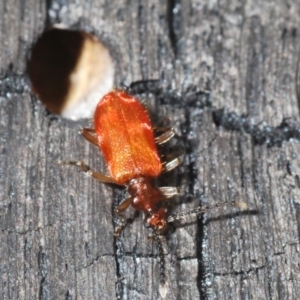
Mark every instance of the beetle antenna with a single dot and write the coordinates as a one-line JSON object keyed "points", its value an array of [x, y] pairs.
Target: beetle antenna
{"points": [[162, 274], [202, 209]]}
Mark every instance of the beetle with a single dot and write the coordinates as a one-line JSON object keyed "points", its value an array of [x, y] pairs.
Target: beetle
{"points": [[124, 133]]}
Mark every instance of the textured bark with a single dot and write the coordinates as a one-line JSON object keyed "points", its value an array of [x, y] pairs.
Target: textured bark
{"points": [[240, 142]]}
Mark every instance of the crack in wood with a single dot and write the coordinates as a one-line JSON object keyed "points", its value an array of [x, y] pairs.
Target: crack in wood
{"points": [[262, 133], [236, 273], [173, 19]]}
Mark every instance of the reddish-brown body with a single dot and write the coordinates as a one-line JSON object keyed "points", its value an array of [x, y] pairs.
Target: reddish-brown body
{"points": [[125, 136], [124, 133]]}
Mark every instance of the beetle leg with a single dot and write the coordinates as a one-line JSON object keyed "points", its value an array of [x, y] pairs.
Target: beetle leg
{"points": [[169, 191], [119, 229], [124, 205], [172, 164], [90, 135], [86, 169], [123, 222], [165, 137]]}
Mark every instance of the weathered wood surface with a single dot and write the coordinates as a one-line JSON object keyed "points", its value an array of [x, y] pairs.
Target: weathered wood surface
{"points": [[57, 224]]}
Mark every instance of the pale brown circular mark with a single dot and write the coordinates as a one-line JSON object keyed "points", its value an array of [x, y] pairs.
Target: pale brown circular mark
{"points": [[70, 71]]}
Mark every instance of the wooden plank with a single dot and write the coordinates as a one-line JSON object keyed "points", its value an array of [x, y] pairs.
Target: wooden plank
{"points": [[56, 237]]}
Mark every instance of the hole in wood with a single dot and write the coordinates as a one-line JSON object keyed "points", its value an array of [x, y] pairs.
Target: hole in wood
{"points": [[70, 71]]}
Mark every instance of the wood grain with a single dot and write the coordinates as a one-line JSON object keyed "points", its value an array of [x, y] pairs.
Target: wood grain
{"points": [[240, 142]]}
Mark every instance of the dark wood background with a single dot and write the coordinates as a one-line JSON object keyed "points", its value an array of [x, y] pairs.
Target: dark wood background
{"points": [[240, 142]]}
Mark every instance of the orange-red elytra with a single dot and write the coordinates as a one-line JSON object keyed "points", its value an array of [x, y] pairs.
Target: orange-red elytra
{"points": [[125, 136]]}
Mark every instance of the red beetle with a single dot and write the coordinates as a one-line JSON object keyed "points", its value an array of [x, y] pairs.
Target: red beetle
{"points": [[124, 133]]}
